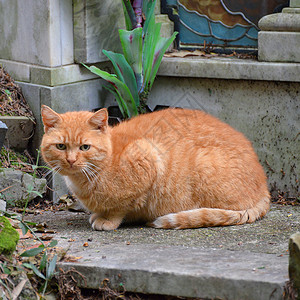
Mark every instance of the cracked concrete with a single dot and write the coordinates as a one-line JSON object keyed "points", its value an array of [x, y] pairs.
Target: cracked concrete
{"points": [[237, 262]]}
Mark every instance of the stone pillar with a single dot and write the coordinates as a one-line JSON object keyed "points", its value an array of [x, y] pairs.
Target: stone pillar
{"points": [[279, 38], [294, 262], [37, 50]]}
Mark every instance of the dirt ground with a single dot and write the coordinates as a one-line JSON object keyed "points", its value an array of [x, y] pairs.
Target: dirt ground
{"points": [[269, 235]]}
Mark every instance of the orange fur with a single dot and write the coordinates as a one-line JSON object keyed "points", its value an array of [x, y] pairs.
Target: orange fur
{"points": [[174, 168]]}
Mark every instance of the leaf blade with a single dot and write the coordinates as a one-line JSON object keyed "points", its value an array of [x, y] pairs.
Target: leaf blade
{"points": [[119, 86], [34, 269], [124, 72], [129, 15], [51, 267], [160, 49], [132, 45], [32, 252]]}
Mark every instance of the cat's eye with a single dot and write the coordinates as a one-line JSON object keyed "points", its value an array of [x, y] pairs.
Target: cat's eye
{"points": [[84, 147], [61, 146]]}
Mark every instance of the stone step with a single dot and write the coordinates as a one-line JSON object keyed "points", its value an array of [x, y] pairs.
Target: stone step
{"points": [[183, 271]]}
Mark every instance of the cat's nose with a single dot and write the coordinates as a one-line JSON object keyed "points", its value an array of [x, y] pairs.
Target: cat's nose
{"points": [[71, 161]]}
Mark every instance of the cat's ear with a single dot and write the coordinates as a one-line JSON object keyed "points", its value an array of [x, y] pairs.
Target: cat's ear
{"points": [[100, 119], [50, 117]]}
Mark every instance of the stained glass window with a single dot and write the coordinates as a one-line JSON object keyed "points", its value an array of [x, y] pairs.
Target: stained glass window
{"points": [[221, 23]]}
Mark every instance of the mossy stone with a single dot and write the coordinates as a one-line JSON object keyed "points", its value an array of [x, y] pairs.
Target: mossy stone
{"points": [[8, 237]]}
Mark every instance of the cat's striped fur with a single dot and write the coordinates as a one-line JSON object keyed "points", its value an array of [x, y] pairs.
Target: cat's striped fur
{"points": [[174, 168]]}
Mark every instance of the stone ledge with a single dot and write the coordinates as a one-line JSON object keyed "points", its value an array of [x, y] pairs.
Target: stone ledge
{"points": [[17, 70], [48, 76], [183, 271], [61, 75], [197, 67], [229, 68]]}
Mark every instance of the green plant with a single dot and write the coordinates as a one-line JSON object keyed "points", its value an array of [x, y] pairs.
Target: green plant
{"points": [[143, 49], [46, 268], [46, 265]]}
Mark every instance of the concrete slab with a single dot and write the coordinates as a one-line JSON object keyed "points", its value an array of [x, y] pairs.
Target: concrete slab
{"points": [[60, 75], [184, 271], [237, 262]]}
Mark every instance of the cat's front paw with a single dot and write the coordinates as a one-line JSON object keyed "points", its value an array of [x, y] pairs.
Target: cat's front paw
{"points": [[99, 223]]}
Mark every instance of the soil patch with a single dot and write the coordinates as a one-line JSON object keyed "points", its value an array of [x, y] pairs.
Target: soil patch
{"points": [[12, 101]]}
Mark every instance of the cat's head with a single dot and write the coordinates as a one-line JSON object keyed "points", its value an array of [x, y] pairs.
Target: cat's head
{"points": [[75, 142]]}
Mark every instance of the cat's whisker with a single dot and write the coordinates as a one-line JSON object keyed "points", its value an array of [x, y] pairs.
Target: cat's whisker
{"points": [[54, 169], [92, 175], [83, 171], [92, 166], [84, 174], [91, 171]]}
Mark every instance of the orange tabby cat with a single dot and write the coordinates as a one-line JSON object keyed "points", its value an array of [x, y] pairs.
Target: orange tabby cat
{"points": [[174, 168]]}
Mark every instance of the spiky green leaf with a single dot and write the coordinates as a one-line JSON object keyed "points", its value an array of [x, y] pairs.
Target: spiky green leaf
{"points": [[51, 267], [43, 262], [32, 252], [53, 243], [120, 101], [148, 11], [119, 86], [35, 270], [129, 15], [160, 49], [132, 45], [24, 228], [151, 38], [124, 72]]}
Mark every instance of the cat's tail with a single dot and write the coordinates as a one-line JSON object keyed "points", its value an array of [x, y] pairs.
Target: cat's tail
{"points": [[209, 217]]}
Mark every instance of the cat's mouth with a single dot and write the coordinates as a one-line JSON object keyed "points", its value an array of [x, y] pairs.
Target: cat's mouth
{"points": [[66, 169], [73, 169]]}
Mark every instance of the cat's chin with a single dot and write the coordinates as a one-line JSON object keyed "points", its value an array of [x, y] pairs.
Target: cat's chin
{"points": [[70, 172]]}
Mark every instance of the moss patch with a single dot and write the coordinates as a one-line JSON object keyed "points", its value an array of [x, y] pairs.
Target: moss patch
{"points": [[8, 237], [15, 160]]}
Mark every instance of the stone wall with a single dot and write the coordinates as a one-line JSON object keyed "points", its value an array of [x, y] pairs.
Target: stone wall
{"points": [[266, 112], [42, 43]]}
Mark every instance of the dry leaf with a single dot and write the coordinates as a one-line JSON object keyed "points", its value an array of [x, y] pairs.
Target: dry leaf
{"points": [[86, 244], [18, 289], [184, 53], [71, 258], [28, 235], [46, 237]]}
